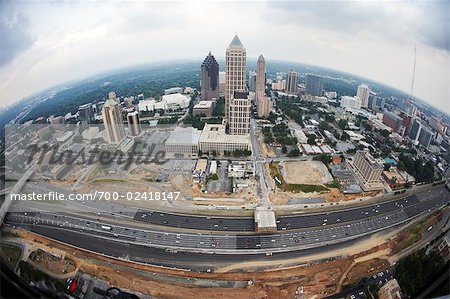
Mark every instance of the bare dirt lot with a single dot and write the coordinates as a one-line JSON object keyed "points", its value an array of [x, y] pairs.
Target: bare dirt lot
{"points": [[306, 172]]}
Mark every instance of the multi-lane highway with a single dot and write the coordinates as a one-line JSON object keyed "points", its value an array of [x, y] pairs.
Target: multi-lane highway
{"points": [[408, 205], [295, 232]]}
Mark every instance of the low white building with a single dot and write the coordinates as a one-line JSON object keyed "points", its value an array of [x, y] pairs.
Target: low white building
{"points": [[214, 138], [171, 101], [350, 102], [183, 142]]}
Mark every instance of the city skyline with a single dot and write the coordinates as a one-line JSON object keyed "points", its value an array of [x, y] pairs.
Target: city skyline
{"points": [[40, 54]]}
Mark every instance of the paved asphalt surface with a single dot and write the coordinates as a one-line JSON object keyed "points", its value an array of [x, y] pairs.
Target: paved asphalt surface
{"points": [[404, 208], [311, 231]]}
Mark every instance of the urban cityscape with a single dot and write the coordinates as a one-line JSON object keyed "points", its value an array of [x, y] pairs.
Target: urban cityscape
{"points": [[231, 176]]}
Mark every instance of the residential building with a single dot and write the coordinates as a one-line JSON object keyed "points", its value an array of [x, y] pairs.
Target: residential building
{"points": [[214, 138], [235, 61], [292, 82], [363, 94], [209, 78], [350, 102], [112, 120], [134, 124], [314, 85], [367, 171], [239, 114]]}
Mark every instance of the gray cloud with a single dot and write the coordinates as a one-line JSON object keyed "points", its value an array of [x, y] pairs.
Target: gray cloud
{"points": [[429, 23], [14, 35], [433, 28]]}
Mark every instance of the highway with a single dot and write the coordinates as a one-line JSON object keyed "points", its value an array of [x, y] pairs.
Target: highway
{"points": [[244, 224], [340, 226]]}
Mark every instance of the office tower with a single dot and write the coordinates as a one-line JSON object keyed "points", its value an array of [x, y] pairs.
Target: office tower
{"points": [[392, 120], [264, 107], [239, 113], [210, 78], [252, 81], [363, 93], [112, 119], [85, 113], [414, 133], [292, 82], [368, 167], [350, 102], [260, 91], [235, 61], [425, 137], [314, 85], [134, 123], [411, 109]]}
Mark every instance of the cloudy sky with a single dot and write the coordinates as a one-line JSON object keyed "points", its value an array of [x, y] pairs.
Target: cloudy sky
{"points": [[46, 43]]}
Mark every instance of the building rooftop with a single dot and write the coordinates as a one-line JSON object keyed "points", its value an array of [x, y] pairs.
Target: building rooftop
{"points": [[236, 41], [203, 104], [216, 133], [187, 136]]}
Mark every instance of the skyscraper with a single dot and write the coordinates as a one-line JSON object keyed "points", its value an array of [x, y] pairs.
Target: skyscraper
{"points": [[134, 123], [239, 113], [414, 133], [235, 60], [112, 119], [210, 78], [292, 82], [363, 93], [314, 85], [263, 103], [260, 90], [85, 113], [425, 137], [252, 81]]}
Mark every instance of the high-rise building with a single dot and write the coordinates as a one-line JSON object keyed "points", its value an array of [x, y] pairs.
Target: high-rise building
{"points": [[235, 61], [425, 137], [112, 119], [252, 81], [85, 113], [414, 133], [363, 93], [314, 85], [239, 114], [411, 109], [392, 120], [368, 167], [134, 123], [210, 78], [260, 91], [264, 107], [350, 102], [292, 82]]}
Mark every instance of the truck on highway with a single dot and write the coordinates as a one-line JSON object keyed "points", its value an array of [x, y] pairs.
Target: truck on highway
{"points": [[106, 227]]}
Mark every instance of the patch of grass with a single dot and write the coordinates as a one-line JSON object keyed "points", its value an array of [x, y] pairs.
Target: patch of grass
{"points": [[306, 188], [109, 181]]}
